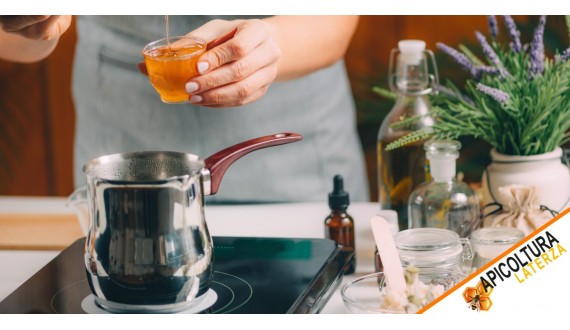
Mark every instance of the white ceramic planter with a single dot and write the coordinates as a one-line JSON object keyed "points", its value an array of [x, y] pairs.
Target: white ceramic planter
{"points": [[545, 171]]}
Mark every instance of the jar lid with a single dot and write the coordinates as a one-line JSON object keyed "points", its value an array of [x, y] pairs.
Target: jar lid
{"points": [[442, 146], [426, 239], [497, 235]]}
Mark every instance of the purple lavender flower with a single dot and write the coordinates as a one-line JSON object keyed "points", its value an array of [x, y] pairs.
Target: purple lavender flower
{"points": [[493, 28], [497, 94], [480, 70], [564, 56], [513, 33], [537, 49], [490, 53], [458, 56]]}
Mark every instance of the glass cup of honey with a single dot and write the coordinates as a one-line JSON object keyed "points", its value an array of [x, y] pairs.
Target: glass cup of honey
{"points": [[170, 63]]}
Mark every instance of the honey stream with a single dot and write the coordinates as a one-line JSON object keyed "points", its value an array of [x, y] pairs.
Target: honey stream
{"points": [[167, 31]]}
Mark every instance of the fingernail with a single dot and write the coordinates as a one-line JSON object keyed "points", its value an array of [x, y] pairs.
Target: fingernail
{"points": [[191, 87], [195, 99], [202, 67]]}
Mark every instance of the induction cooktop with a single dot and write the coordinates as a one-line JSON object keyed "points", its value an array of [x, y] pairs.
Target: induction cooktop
{"points": [[252, 275]]}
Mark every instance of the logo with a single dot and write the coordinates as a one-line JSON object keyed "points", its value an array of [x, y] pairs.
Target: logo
{"points": [[478, 298]]}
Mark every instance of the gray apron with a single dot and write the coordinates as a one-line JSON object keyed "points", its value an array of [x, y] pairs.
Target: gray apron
{"points": [[117, 110]]}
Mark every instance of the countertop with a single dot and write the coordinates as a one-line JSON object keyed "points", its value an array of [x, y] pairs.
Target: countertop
{"points": [[21, 257]]}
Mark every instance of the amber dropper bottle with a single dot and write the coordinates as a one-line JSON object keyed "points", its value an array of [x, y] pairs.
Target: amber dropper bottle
{"points": [[339, 226]]}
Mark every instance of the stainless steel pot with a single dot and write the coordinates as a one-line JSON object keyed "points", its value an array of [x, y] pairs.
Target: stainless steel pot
{"points": [[148, 247]]}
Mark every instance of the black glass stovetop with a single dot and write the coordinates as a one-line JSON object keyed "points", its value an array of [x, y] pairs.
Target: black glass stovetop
{"points": [[251, 275]]}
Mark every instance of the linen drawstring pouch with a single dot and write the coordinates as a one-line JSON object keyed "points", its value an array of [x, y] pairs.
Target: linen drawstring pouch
{"points": [[521, 209]]}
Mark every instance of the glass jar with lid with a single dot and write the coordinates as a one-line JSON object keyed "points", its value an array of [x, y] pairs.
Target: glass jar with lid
{"points": [[444, 202], [488, 243], [434, 248]]}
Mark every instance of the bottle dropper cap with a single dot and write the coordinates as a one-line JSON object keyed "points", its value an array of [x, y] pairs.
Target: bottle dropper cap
{"points": [[338, 198]]}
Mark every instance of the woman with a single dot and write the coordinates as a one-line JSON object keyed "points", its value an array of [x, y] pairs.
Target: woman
{"points": [[266, 75]]}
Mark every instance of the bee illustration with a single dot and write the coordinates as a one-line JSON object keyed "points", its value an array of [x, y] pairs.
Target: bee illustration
{"points": [[475, 303], [477, 298]]}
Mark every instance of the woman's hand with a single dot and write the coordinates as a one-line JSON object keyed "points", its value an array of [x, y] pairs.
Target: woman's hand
{"points": [[27, 39], [245, 56], [36, 27], [239, 65]]}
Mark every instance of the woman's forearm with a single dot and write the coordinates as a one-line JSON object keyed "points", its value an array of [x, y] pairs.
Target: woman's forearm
{"points": [[309, 43]]}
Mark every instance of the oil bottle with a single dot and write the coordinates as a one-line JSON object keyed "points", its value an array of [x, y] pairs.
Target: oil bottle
{"points": [[402, 169], [339, 225]]}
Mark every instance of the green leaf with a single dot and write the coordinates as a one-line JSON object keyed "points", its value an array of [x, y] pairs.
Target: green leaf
{"points": [[408, 122], [470, 55], [385, 93], [412, 137]]}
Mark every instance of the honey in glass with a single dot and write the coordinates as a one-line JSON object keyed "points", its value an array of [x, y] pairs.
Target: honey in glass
{"points": [[170, 63]]}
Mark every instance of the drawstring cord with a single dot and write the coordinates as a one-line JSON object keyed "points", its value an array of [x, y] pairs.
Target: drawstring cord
{"points": [[500, 208], [546, 208], [497, 210]]}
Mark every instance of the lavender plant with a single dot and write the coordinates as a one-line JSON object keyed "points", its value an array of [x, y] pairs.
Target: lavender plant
{"points": [[516, 99]]}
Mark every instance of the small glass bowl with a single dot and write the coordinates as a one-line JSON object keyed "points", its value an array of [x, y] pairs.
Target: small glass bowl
{"points": [[365, 294]]}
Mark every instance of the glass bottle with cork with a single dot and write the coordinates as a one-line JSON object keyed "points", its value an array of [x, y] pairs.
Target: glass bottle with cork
{"points": [[402, 169], [444, 202], [339, 225]]}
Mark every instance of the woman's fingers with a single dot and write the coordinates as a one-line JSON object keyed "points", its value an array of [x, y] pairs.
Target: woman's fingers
{"points": [[227, 36], [38, 27], [214, 29], [142, 68], [248, 36], [14, 23], [53, 27], [266, 54], [239, 93]]}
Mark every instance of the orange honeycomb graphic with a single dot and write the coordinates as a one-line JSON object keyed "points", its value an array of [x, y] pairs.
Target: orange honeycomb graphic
{"points": [[478, 298]]}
